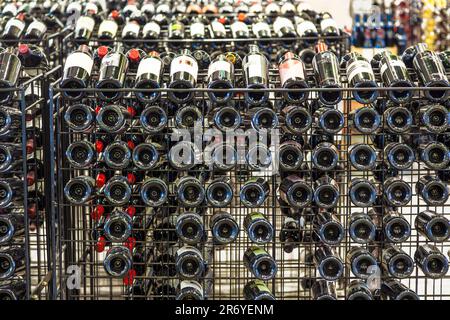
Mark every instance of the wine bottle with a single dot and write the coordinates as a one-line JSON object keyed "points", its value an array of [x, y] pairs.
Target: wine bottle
{"points": [[10, 157], [118, 191], [431, 72], [130, 34], [35, 31], [293, 76], [190, 229], [395, 290], [398, 119], [326, 71], [256, 73], [263, 119], [396, 262], [261, 30], [84, 28], [433, 118], [256, 290], [397, 192], [81, 154], [107, 31], [399, 155], [219, 192], [260, 263], [358, 290], [224, 228], [113, 70], [154, 192], [361, 262], [117, 155], [323, 290], [435, 227], [394, 74], [151, 32], [226, 118], [284, 29], [183, 155], [296, 192], [328, 228], [326, 192], [153, 119], [307, 30], [362, 156], [190, 191], [11, 192], [189, 263], [254, 192], [259, 230], [325, 156], [435, 155], [13, 29], [221, 76], [118, 226], [118, 261], [10, 122], [362, 192], [328, 263], [365, 119], [240, 30], [13, 289], [361, 228], [9, 73], [432, 190], [12, 225], [12, 260], [329, 29], [189, 290], [431, 261], [113, 118], [297, 120], [183, 75], [77, 72], [360, 76], [329, 120]]}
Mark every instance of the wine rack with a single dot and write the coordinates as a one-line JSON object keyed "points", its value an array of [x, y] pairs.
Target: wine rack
{"points": [[226, 274]]}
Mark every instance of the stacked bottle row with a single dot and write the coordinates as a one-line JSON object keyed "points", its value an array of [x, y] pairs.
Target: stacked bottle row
{"points": [[156, 29]]}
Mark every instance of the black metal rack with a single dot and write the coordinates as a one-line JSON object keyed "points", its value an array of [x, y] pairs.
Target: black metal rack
{"points": [[227, 274]]}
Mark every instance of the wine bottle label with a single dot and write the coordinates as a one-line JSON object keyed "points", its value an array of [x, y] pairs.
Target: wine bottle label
{"points": [[260, 27], [80, 60], [305, 26], [258, 251], [84, 22], [91, 7], [254, 67], [257, 215], [111, 60], [393, 64], [19, 24], [130, 7], [281, 23], [198, 28], [287, 7], [131, 27], [188, 284], [261, 286], [149, 65], [184, 64], [219, 66], [328, 23], [11, 8], [108, 26], [148, 8], [239, 26], [291, 69], [218, 27], [164, 7], [272, 7], [38, 26], [153, 26], [358, 67]]}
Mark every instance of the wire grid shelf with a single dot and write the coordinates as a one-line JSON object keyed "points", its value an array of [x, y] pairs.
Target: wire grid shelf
{"points": [[226, 274]]}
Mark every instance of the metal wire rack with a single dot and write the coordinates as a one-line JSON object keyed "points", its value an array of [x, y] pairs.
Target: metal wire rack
{"points": [[226, 275]]}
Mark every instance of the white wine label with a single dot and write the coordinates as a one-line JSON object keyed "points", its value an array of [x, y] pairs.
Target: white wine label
{"points": [[152, 26], [38, 26], [239, 26], [254, 67], [74, 7], [149, 65], [131, 27], [91, 7], [256, 8], [328, 23], [218, 27], [130, 8], [219, 66], [287, 7], [11, 8], [282, 22], [85, 22], [290, 69], [272, 7], [148, 8], [198, 28], [305, 26], [188, 284], [163, 8], [108, 26], [184, 64], [81, 60], [393, 64], [260, 26], [359, 67], [19, 24]]}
